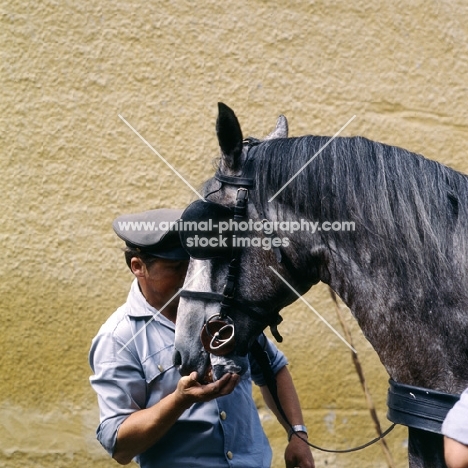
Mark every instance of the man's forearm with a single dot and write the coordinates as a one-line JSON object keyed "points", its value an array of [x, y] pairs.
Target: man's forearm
{"points": [[288, 397], [144, 428], [297, 453]]}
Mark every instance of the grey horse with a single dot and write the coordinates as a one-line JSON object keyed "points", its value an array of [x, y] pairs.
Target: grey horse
{"points": [[402, 271]]}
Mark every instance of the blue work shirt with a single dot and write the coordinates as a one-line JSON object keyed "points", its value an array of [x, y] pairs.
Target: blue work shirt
{"points": [[131, 357]]}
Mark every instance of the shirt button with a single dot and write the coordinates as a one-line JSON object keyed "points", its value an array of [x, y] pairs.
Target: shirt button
{"points": [[160, 368], [223, 415], [229, 455]]}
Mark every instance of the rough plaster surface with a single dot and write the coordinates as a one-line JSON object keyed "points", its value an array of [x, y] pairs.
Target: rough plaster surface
{"points": [[70, 165]]}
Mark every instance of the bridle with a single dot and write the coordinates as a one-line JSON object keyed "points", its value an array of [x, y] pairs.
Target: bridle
{"points": [[218, 332]]}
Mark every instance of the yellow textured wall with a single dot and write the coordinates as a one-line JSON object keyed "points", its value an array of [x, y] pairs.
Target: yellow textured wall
{"points": [[69, 166]]}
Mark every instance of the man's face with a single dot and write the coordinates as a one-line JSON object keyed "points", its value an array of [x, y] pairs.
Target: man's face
{"points": [[162, 280]]}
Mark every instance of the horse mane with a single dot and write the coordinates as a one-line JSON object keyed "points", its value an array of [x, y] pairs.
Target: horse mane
{"points": [[410, 213]]}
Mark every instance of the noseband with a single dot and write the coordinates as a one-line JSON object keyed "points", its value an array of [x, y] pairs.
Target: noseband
{"points": [[218, 333]]}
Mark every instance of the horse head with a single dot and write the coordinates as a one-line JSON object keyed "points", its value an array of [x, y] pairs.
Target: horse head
{"points": [[230, 294]]}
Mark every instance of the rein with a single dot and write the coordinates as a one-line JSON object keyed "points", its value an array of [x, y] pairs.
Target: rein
{"points": [[262, 358], [218, 332]]}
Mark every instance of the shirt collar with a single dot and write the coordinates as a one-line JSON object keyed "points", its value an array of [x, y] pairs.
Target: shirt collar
{"points": [[138, 307]]}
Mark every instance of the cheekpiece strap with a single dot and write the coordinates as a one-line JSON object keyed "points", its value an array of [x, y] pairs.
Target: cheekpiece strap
{"points": [[240, 212]]}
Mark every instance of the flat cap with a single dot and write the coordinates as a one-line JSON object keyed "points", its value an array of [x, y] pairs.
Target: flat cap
{"points": [[152, 232]]}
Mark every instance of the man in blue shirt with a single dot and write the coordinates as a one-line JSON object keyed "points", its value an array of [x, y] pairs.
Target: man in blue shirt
{"points": [[148, 411]]}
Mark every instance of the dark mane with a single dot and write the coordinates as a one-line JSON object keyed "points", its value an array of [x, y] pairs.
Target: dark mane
{"points": [[402, 270], [411, 227]]}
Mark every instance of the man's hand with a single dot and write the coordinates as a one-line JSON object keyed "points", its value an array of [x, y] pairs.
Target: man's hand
{"points": [[190, 391], [298, 453], [145, 427]]}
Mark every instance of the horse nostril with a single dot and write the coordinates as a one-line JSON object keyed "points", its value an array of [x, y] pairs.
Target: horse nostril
{"points": [[177, 358]]}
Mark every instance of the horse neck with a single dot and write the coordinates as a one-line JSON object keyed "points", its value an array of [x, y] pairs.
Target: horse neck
{"points": [[305, 252]]}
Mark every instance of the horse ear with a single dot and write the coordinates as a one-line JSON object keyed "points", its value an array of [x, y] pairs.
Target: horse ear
{"points": [[229, 136], [281, 130]]}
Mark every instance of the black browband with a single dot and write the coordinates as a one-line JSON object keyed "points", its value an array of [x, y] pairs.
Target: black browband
{"points": [[246, 182]]}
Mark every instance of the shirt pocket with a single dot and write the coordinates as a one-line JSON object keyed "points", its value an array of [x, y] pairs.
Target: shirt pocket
{"points": [[158, 363], [160, 374]]}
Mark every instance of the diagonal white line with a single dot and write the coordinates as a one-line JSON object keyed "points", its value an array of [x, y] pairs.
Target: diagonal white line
{"points": [[160, 157], [313, 310], [313, 157], [159, 311]]}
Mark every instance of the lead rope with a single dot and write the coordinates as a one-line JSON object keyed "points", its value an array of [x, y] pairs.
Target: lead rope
{"points": [[264, 362]]}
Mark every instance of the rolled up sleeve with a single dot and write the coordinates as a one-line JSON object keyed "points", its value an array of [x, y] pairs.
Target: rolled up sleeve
{"points": [[277, 360], [119, 383]]}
